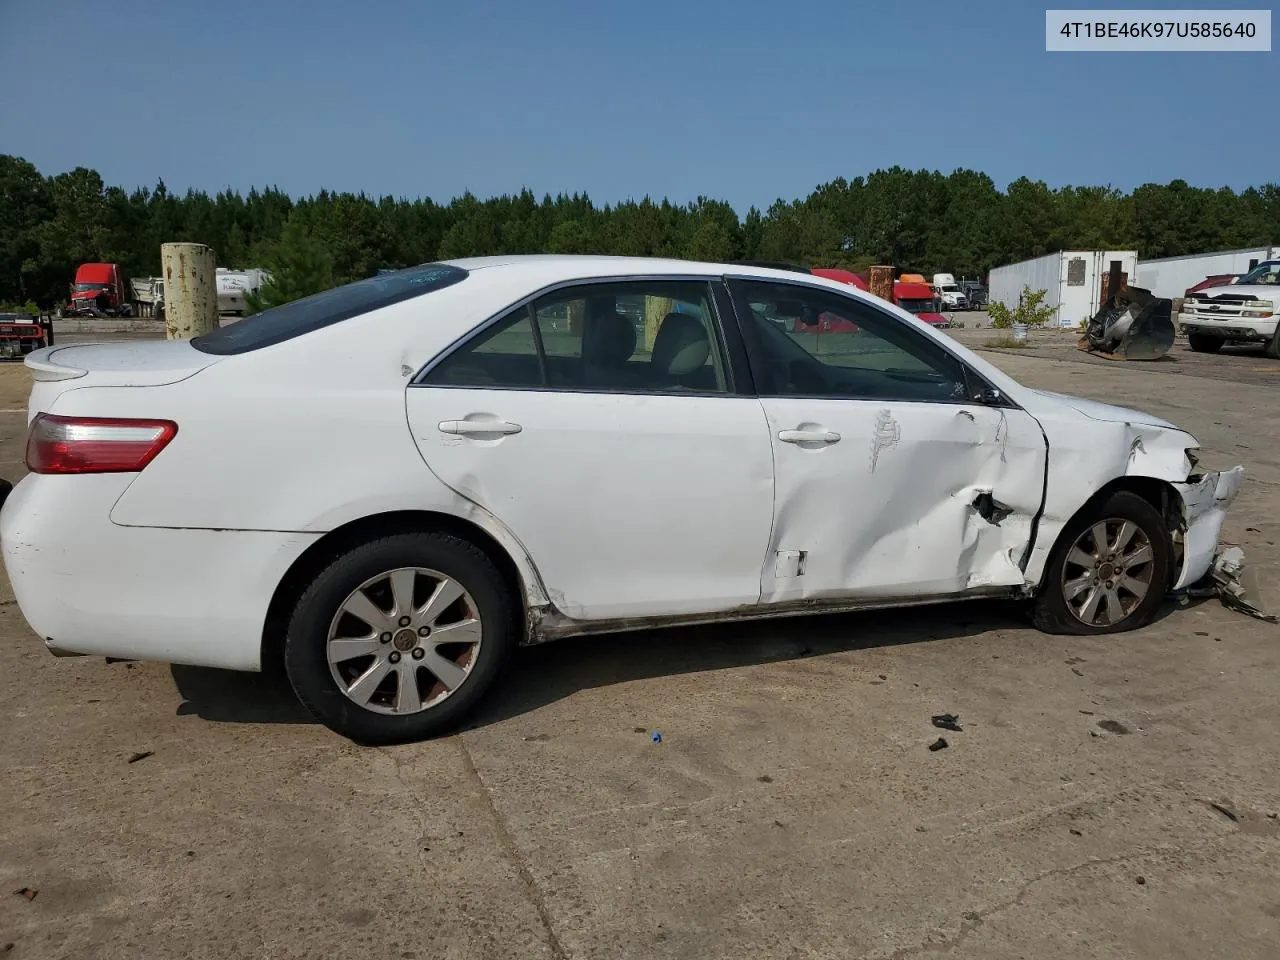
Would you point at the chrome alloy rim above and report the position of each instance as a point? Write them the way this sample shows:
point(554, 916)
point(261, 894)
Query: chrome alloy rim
point(404, 641)
point(1108, 572)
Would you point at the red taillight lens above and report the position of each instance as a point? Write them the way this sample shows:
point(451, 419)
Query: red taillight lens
point(94, 444)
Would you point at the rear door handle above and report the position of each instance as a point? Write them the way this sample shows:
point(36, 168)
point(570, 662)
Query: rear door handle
point(465, 428)
point(808, 436)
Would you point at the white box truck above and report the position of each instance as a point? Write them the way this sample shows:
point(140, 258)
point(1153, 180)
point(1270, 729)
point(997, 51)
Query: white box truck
point(1074, 279)
point(1172, 277)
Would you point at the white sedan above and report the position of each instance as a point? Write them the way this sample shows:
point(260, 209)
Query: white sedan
point(391, 485)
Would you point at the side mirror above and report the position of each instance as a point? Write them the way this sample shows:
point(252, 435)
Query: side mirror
point(990, 396)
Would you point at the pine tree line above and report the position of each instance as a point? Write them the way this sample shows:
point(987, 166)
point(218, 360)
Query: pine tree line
point(923, 221)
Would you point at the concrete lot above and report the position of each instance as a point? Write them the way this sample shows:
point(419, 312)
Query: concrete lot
point(792, 809)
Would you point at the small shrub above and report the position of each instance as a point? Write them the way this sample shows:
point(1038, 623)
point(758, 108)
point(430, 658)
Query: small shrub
point(28, 307)
point(1007, 343)
point(1030, 310)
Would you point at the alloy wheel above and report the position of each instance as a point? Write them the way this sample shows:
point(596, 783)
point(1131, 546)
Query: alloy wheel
point(404, 641)
point(1108, 572)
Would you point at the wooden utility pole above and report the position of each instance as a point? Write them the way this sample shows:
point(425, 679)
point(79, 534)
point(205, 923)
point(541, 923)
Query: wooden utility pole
point(190, 290)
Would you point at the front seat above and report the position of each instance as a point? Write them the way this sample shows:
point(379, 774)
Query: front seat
point(680, 352)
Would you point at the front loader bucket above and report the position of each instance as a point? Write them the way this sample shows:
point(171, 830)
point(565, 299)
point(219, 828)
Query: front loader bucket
point(1134, 326)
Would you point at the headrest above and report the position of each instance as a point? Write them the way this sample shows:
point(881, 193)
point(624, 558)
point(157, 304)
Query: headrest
point(610, 339)
point(682, 345)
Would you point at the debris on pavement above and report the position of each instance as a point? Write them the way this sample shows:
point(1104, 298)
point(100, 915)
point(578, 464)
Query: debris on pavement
point(640, 730)
point(1114, 726)
point(1142, 881)
point(939, 744)
point(656, 737)
point(26, 892)
point(1224, 810)
point(765, 778)
point(142, 756)
point(1076, 833)
point(947, 721)
point(1233, 582)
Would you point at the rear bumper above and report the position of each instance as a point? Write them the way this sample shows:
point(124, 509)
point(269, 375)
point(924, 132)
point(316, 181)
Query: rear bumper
point(89, 586)
point(1204, 508)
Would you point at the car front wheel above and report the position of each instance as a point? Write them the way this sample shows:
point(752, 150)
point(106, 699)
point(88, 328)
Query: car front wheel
point(1109, 571)
point(400, 638)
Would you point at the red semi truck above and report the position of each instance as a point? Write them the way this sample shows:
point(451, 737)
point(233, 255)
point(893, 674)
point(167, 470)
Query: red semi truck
point(100, 289)
point(920, 299)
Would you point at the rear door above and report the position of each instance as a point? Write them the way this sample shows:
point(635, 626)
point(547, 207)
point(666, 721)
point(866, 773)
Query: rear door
point(602, 424)
point(892, 479)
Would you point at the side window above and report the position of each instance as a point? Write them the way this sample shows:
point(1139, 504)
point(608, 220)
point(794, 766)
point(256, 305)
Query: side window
point(642, 336)
point(815, 344)
point(505, 355)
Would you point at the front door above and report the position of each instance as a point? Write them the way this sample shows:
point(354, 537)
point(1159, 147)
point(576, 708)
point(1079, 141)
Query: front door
point(892, 481)
point(600, 424)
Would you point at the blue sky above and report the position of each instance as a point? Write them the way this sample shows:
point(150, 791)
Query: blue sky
point(745, 101)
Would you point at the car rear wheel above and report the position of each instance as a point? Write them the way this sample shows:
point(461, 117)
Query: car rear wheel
point(399, 639)
point(1202, 343)
point(1109, 571)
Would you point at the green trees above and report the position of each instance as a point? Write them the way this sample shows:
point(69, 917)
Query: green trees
point(918, 220)
point(300, 264)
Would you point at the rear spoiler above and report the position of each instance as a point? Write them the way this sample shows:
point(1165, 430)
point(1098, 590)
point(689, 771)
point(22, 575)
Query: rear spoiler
point(44, 368)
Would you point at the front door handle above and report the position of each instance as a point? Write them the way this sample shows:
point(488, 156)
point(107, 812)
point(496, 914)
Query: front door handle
point(465, 428)
point(808, 436)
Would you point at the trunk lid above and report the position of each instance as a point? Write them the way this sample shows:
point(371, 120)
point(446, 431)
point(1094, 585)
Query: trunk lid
point(129, 363)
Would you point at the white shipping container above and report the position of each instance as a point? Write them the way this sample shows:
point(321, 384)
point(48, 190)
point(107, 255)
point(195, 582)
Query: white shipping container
point(1171, 276)
point(1073, 280)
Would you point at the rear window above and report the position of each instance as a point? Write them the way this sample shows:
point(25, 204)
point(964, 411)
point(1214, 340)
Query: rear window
point(290, 320)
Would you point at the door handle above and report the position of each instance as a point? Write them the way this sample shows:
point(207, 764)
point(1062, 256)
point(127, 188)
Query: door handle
point(465, 428)
point(808, 436)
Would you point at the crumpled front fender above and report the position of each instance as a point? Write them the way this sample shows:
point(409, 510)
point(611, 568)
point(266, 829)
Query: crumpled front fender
point(1205, 500)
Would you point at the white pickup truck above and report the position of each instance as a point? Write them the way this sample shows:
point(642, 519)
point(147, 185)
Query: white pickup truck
point(1243, 312)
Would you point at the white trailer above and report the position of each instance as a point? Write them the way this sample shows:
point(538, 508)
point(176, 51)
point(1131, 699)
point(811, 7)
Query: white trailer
point(233, 285)
point(1074, 279)
point(1172, 276)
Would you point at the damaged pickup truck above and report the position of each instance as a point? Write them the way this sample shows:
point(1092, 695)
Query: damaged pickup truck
point(420, 471)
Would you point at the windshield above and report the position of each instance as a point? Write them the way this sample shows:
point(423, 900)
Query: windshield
point(293, 319)
point(1267, 274)
point(82, 287)
point(917, 306)
point(949, 288)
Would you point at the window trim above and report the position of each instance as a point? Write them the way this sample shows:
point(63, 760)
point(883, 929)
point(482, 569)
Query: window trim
point(726, 334)
point(975, 384)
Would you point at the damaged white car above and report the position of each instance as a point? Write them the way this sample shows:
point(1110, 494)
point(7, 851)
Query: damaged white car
point(391, 485)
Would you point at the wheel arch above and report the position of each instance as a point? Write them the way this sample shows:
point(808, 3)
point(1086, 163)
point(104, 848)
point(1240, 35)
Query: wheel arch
point(1161, 494)
point(349, 535)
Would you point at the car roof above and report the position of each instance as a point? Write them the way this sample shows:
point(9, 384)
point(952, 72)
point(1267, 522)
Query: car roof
point(554, 267)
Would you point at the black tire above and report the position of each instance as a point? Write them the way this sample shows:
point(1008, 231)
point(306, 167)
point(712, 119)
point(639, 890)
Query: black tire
point(1050, 611)
point(1201, 343)
point(1273, 345)
point(306, 660)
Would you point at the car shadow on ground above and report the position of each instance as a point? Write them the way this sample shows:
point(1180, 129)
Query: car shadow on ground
point(544, 674)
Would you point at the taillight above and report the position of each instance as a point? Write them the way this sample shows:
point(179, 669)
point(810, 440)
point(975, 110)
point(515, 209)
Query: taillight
point(94, 444)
